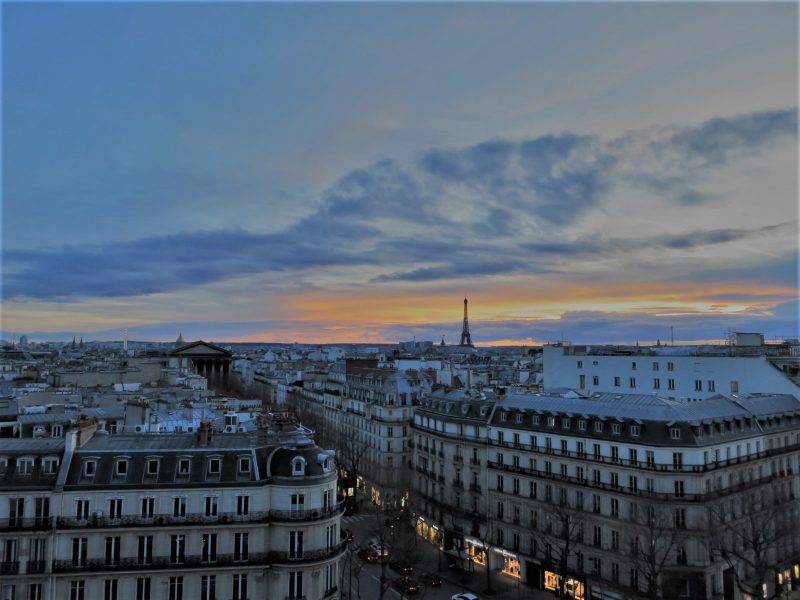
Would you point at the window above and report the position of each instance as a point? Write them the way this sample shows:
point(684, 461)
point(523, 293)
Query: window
point(614, 540)
point(24, 466)
point(89, 468)
point(179, 506)
point(580, 364)
point(142, 588)
point(677, 460)
point(209, 549)
point(115, 508)
point(679, 489)
point(211, 506)
point(582, 425)
point(148, 506)
point(535, 419)
point(598, 426)
point(152, 467)
point(49, 466)
point(617, 382)
point(176, 588)
point(79, 546)
point(35, 591)
point(208, 587)
point(214, 466)
point(184, 466)
point(670, 366)
point(240, 546)
point(595, 380)
point(615, 507)
point(298, 466)
point(633, 482)
point(656, 384)
point(145, 551)
point(614, 480)
point(632, 382)
point(670, 384)
point(112, 550)
point(616, 428)
point(596, 503)
point(565, 422)
point(77, 589)
point(295, 544)
point(712, 386)
point(680, 518)
point(614, 454)
point(655, 366)
point(635, 430)
point(82, 509)
point(295, 584)
point(121, 468)
point(177, 549)
point(633, 366)
point(650, 457)
point(698, 385)
point(675, 433)
point(244, 464)
point(298, 502)
point(239, 591)
point(596, 449)
point(582, 382)
point(242, 505)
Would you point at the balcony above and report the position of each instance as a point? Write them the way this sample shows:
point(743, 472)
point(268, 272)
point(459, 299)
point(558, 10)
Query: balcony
point(474, 487)
point(36, 566)
point(26, 523)
point(458, 459)
point(195, 561)
point(9, 567)
point(195, 519)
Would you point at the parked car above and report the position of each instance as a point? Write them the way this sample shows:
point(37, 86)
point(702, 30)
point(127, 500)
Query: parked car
point(402, 568)
point(431, 580)
point(464, 596)
point(378, 549)
point(406, 585)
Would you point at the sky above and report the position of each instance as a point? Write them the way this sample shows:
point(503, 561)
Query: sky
point(589, 172)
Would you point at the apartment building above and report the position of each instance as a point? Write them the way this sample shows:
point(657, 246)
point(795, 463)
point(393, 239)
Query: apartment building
point(688, 373)
point(167, 517)
point(614, 495)
point(365, 412)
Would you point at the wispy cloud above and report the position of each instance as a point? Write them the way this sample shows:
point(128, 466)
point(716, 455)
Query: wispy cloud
point(449, 213)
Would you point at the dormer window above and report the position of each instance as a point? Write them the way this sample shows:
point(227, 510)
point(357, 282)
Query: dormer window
point(214, 466)
point(49, 466)
point(184, 466)
point(152, 467)
point(503, 416)
point(565, 422)
point(121, 468)
point(616, 428)
point(535, 419)
point(520, 417)
point(675, 433)
point(635, 430)
point(25, 466)
point(244, 464)
point(551, 421)
point(3, 465)
point(598, 426)
point(89, 468)
point(298, 466)
point(582, 424)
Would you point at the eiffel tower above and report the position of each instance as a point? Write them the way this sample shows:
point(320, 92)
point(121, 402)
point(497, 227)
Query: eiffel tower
point(466, 340)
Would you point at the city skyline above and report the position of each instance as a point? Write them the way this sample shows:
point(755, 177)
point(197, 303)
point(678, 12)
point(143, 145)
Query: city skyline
point(349, 172)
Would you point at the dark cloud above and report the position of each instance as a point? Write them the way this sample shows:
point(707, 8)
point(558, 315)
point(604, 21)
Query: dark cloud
point(453, 213)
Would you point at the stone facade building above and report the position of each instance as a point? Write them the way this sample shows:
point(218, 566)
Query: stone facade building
point(94, 516)
point(613, 496)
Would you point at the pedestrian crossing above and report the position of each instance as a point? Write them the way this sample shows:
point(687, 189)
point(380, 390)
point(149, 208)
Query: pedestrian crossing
point(353, 519)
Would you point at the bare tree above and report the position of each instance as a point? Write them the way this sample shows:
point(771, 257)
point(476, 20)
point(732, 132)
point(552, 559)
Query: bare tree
point(754, 533)
point(564, 533)
point(656, 536)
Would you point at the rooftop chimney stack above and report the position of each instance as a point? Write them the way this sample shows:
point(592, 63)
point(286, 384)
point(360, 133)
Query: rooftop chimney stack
point(204, 433)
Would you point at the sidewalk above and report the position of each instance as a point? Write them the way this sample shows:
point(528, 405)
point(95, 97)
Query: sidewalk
point(505, 587)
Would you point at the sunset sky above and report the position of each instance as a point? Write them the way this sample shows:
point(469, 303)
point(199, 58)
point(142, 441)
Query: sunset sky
point(594, 172)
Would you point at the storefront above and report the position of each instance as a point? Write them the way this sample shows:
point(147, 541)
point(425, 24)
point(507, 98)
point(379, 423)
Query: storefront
point(475, 551)
point(573, 588)
point(510, 563)
point(429, 532)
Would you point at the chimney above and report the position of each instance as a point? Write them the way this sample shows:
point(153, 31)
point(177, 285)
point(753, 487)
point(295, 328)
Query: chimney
point(84, 429)
point(204, 433)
